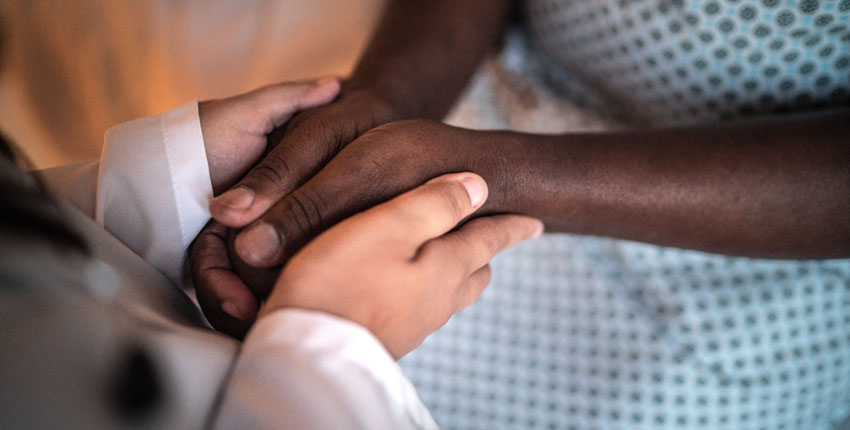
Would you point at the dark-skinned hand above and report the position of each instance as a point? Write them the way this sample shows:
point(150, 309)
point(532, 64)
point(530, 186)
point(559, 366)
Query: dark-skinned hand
point(382, 163)
point(310, 140)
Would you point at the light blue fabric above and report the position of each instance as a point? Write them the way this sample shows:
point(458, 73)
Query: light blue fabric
point(589, 333)
point(678, 62)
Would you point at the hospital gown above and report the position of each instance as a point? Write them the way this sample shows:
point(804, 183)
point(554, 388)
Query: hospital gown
point(591, 333)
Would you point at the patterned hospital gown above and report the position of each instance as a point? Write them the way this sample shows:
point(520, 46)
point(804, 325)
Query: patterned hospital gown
point(591, 333)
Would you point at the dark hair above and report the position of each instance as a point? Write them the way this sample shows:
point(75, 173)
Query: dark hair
point(28, 209)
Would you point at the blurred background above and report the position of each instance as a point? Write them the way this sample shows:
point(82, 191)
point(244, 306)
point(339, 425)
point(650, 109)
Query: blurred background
point(70, 69)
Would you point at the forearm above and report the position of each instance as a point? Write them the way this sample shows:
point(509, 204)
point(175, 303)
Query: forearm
point(424, 52)
point(774, 188)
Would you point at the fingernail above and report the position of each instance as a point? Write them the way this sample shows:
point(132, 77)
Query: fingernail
point(231, 308)
point(538, 232)
point(237, 198)
point(259, 244)
point(475, 189)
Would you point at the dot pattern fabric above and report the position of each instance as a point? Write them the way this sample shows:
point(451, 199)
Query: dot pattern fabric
point(589, 333)
point(676, 61)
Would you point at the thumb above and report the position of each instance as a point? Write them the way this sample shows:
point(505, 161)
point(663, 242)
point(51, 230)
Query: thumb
point(344, 188)
point(299, 153)
point(235, 129)
point(273, 105)
point(434, 208)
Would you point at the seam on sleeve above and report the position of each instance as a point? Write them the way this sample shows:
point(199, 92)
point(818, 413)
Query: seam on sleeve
point(176, 186)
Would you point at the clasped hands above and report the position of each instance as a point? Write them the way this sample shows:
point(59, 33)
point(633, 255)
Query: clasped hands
point(353, 211)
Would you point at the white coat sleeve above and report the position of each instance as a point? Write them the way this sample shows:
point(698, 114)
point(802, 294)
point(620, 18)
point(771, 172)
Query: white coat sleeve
point(151, 187)
point(154, 187)
point(310, 370)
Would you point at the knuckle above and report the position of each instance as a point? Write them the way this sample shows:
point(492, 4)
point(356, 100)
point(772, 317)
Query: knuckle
point(409, 133)
point(201, 255)
point(306, 210)
point(205, 246)
point(311, 122)
point(455, 200)
point(272, 170)
point(321, 131)
point(493, 236)
point(380, 140)
point(362, 158)
point(491, 244)
point(375, 170)
point(501, 238)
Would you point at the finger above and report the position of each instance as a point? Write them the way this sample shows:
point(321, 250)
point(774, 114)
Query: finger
point(478, 241)
point(432, 209)
point(416, 216)
point(473, 288)
point(294, 158)
point(226, 301)
point(259, 280)
point(275, 104)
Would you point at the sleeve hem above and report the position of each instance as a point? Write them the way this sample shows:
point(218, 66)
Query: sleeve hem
point(154, 186)
point(317, 334)
point(189, 168)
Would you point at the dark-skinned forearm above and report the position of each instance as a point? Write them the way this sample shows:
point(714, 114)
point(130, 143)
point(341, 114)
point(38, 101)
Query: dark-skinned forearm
point(767, 188)
point(424, 52)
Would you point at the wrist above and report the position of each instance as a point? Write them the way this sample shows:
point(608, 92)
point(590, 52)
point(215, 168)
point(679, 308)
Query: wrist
point(558, 179)
point(387, 98)
point(500, 158)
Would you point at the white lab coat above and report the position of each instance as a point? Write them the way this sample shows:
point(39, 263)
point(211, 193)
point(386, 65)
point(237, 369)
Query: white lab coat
point(139, 208)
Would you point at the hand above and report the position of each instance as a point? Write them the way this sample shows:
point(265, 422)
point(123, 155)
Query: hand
point(379, 165)
point(235, 133)
point(312, 138)
point(235, 129)
point(383, 170)
point(398, 269)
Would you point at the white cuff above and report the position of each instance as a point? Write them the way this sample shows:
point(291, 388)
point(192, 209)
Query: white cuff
point(312, 370)
point(154, 186)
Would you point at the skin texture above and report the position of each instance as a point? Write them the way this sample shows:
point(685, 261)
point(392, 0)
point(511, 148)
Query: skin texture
point(235, 133)
point(400, 269)
point(235, 129)
point(776, 188)
point(421, 58)
point(773, 188)
point(405, 251)
point(732, 189)
point(423, 54)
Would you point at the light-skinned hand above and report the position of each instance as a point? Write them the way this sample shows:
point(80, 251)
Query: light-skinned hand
point(380, 164)
point(235, 129)
point(401, 269)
